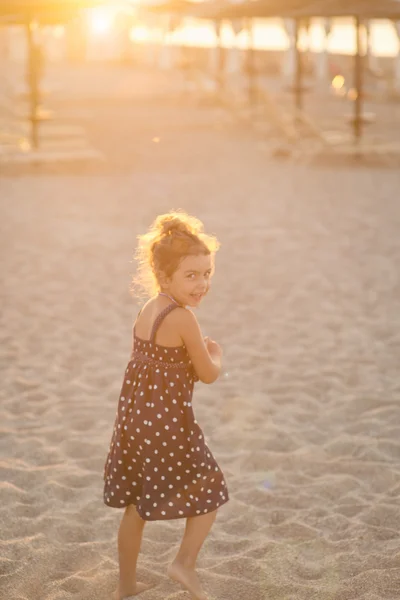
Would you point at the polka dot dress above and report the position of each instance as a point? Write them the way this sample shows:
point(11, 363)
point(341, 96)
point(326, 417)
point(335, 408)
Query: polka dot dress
point(158, 458)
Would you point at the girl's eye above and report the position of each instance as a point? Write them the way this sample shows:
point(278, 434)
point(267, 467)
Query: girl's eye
point(208, 274)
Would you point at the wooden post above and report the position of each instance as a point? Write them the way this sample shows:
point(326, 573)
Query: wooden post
point(298, 91)
point(251, 72)
point(358, 81)
point(221, 56)
point(33, 82)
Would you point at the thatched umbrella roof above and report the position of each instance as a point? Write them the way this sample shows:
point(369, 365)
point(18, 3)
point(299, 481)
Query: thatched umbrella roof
point(171, 7)
point(301, 9)
point(43, 12)
point(362, 9)
point(33, 7)
point(250, 9)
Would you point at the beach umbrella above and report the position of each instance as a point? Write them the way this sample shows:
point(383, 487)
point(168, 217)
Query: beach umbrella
point(32, 9)
point(171, 7)
point(31, 14)
point(252, 9)
point(248, 9)
point(360, 10)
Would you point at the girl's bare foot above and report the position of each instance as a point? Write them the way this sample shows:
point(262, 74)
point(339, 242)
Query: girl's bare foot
point(188, 578)
point(137, 589)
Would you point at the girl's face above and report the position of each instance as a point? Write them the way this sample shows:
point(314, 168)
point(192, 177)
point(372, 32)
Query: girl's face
point(191, 281)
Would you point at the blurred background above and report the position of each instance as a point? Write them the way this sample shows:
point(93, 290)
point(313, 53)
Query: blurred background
point(277, 123)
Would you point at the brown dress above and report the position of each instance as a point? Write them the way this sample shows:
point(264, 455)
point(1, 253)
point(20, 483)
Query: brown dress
point(158, 459)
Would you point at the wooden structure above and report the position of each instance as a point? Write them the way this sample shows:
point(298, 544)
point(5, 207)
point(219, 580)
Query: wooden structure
point(32, 14)
point(360, 11)
point(301, 11)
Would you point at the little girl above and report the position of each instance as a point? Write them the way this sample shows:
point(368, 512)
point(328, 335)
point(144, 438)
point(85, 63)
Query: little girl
point(158, 466)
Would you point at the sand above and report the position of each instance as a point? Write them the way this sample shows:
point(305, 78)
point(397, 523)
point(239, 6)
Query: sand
point(305, 420)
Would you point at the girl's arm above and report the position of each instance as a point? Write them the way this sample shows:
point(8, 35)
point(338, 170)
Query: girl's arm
point(206, 365)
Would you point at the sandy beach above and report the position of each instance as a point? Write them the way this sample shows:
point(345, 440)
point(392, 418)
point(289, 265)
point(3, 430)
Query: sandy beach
point(304, 421)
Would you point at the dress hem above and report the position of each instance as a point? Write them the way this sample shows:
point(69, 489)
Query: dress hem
point(187, 515)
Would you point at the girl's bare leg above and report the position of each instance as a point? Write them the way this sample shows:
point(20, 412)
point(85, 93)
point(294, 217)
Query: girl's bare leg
point(182, 569)
point(129, 541)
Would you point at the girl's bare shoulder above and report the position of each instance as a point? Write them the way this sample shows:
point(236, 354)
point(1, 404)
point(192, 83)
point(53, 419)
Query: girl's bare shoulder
point(184, 319)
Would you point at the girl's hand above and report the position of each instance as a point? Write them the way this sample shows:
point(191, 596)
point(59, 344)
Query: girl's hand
point(213, 348)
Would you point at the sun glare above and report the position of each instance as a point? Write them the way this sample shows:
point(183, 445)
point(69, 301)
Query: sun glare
point(100, 21)
point(140, 33)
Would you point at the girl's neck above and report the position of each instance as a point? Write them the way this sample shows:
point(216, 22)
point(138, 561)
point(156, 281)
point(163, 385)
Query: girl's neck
point(168, 296)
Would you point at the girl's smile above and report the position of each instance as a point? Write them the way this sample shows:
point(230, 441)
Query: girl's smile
point(191, 281)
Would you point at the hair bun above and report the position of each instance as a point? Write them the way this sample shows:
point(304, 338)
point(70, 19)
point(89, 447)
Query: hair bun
point(169, 224)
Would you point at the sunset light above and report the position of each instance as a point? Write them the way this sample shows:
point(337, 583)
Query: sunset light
point(140, 33)
point(101, 21)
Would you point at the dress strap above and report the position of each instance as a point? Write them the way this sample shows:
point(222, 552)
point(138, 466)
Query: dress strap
point(137, 316)
point(160, 319)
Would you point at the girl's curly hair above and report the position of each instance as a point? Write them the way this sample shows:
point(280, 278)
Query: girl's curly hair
point(170, 238)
